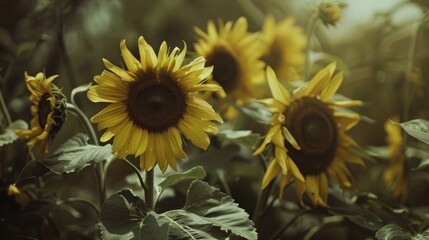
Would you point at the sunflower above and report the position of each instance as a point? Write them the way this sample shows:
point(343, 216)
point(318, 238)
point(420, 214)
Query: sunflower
point(316, 143)
point(153, 103)
point(330, 13)
point(234, 53)
point(395, 175)
point(284, 47)
point(48, 111)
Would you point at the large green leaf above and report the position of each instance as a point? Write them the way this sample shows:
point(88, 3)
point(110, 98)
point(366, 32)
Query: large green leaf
point(418, 128)
point(176, 178)
point(392, 232)
point(76, 154)
point(207, 214)
point(207, 206)
point(9, 135)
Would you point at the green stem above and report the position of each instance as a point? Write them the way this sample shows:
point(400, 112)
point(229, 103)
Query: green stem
point(137, 171)
point(5, 110)
point(149, 189)
point(281, 230)
point(251, 9)
point(261, 202)
point(93, 137)
point(311, 28)
point(86, 123)
point(83, 201)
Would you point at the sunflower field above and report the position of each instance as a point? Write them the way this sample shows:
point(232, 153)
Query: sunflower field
point(198, 119)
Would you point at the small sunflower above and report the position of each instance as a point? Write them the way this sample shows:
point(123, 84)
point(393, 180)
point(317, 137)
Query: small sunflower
point(48, 110)
point(153, 103)
point(284, 47)
point(234, 53)
point(330, 13)
point(395, 175)
point(316, 143)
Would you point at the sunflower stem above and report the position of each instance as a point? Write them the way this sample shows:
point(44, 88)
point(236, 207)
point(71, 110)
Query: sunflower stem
point(137, 171)
point(281, 230)
point(261, 202)
point(5, 110)
point(311, 28)
point(253, 10)
point(149, 189)
point(99, 169)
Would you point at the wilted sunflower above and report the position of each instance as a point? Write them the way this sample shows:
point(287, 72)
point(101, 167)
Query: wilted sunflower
point(234, 53)
point(284, 47)
point(395, 175)
point(316, 143)
point(48, 111)
point(153, 103)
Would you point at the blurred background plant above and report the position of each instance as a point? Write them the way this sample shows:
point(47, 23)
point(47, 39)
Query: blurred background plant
point(382, 47)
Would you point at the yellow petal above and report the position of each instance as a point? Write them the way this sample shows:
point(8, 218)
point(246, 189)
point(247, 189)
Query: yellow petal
point(345, 104)
point(268, 138)
point(332, 87)
point(135, 138)
point(290, 138)
point(131, 62)
point(277, 90)
point(123, 74)
point(294, 170)
point(107, 136)
point(319, 81)
point(121, 140)
point(281, 158)
point(144, 139)
point(109, 111)
point(147, 159)
point(347, 120)
point(194, 133)
point(272, 171)
point(176, 142)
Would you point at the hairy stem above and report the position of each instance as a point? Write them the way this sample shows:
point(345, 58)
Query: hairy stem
point(149, 189)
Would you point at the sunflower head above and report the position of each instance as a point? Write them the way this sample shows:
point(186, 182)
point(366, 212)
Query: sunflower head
point(153, 103)
point(309, 136)
point(234, 53)
point(395, 176)
point(284, 45)
point(330, 13)
point(48, 110)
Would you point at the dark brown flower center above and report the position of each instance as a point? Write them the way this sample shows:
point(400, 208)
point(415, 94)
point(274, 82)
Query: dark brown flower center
point(156, 102)
point(43, 110)
point(274, 57)
point(226, 68)
point(313, 125)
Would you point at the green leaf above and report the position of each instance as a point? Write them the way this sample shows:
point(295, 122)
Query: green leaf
point(176, 178)
point(76, 154)
point(392, 232)
point(257, 111)
point(361, 216)
point(126, 216)
point(245, 137)
point(207, 214)
point(9, 135)
point(418, 128)
point(208, 206)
